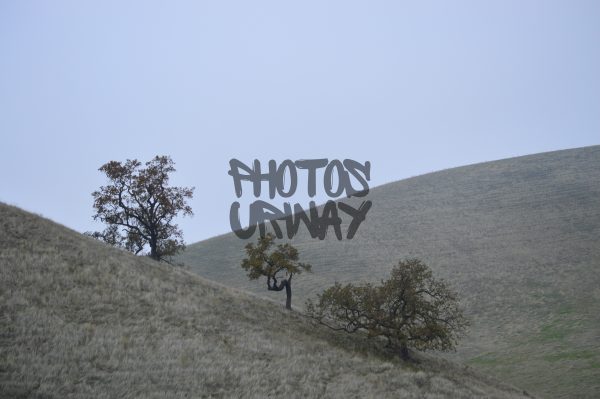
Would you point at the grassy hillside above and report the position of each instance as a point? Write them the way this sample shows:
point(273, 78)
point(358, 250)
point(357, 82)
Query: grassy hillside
point(519, 238)
point(79, 319)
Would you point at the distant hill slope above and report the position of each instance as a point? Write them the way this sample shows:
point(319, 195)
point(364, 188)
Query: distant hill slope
point(80, 319)
point(519, 238)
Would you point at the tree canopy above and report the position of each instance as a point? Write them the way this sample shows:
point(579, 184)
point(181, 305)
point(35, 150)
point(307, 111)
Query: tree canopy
point(411, 309)
point(139, 207)
point(274, 263)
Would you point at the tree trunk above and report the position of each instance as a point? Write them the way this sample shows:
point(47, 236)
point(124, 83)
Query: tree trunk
point(288, 293)
point(153, 253)
point(153, 244)
point(285, 283)
point(404, 352)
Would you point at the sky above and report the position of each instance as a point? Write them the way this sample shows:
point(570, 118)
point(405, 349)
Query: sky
point(412, 87)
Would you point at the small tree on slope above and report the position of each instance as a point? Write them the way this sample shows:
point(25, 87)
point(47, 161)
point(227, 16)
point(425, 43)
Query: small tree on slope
point(411, 309)
point(274, 264)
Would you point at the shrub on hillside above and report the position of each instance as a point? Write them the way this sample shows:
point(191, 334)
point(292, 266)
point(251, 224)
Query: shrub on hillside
point(411, 309)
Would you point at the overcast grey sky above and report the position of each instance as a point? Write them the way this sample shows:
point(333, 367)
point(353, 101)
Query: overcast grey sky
point(412, 87)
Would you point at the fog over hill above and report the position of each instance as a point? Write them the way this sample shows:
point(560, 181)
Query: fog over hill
point(519, 239)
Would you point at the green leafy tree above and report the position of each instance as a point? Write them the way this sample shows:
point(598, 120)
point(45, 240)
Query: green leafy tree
point(411, 309)
point(139, 207)
point(278, 264)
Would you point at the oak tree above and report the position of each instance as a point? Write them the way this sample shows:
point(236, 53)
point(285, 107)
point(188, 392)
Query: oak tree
point(411, 309)
point(278, 264)
point(139, 207)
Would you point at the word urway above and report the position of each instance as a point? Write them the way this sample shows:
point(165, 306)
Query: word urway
point(262, 212)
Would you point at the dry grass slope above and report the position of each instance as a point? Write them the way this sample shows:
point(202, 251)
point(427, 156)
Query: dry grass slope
point(519, 238)
point(79, 319)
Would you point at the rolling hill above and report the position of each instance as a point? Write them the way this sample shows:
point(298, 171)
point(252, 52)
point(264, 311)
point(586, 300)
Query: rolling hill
point(79, 319)
point(518, 238)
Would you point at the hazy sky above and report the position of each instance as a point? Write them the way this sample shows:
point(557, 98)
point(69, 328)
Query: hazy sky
point(412, 87)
